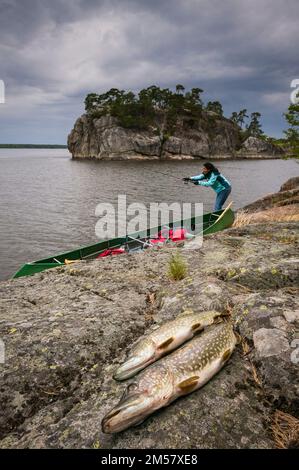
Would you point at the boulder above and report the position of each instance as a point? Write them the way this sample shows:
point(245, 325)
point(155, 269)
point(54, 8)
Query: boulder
point(287, 195)
point(291, 316)
point(254, 146)
point(65, 331)
point(209, 137)
point(292, 183)
point(270, 342)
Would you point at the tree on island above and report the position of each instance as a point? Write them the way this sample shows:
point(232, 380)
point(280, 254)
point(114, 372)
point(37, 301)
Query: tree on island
point(160, 109)
point(215, 107)
point(140, 111)
point(234, 117)
point(254, 128)
point(180, 88)
point(239, 118)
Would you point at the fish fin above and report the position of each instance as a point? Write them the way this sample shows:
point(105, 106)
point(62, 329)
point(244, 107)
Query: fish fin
point(226, 313)
point(189, 384)
point(166, 343)
point(226, 355)
point(196, 327)
point(239, 338)
point(217, 320)
point(139, 422)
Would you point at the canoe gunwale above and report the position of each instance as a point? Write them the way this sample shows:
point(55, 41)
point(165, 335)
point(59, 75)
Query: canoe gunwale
point(88, 251)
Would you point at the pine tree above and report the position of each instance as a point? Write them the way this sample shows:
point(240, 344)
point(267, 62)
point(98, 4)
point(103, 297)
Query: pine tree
point(241, 117)
point(234, 117)
point(254, 128)
point(215, 106)
point(180, 88)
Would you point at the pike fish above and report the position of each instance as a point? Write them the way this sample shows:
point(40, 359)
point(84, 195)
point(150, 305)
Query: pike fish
point(178, 374)
point(164, 339)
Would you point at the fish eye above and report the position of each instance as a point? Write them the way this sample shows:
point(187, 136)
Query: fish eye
point(132, 387)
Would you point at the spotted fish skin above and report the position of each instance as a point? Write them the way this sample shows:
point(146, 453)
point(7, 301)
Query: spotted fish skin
point(164, 339)
point(180, 373)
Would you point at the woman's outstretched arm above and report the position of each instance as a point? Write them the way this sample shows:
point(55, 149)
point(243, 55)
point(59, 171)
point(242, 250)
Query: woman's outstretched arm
point(209, 182)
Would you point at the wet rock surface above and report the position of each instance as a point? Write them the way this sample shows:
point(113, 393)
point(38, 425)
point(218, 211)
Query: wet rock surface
point(253, 146)
point(66, 330)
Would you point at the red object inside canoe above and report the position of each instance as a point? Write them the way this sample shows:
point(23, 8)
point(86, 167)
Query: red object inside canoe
point(176, 235)
point(111, 251)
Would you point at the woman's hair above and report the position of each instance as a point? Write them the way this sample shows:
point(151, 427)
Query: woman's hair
point(209, 166)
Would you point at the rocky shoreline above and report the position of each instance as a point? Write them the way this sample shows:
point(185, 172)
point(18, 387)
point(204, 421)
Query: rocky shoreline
point(143, 158)
point(212, 138)
point(66, 329)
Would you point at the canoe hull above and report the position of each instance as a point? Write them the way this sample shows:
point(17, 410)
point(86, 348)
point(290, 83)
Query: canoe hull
point(210, 223)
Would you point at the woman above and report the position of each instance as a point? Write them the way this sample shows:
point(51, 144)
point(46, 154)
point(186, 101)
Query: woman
point(211, 176)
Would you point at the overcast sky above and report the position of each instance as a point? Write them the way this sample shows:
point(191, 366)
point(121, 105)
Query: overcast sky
point(52, 53)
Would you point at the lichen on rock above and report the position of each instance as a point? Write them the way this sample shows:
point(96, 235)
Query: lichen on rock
point(65, 334)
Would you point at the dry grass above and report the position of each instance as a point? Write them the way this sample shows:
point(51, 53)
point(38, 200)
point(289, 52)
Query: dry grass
point(242, 218)
point(276, 214)
point(150, 298)
point(245, 346)
point(255, 375)
point(285, 429)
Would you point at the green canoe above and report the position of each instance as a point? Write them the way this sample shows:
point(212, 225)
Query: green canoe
point(210, 223)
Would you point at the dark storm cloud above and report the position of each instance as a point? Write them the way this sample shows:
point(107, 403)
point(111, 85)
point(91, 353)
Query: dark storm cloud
point(54, 52)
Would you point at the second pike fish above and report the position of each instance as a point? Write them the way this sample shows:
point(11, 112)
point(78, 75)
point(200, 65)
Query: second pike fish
point(178, 374)
point(164, 339)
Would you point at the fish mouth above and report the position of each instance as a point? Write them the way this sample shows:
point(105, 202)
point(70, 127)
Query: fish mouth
point(131, 367)
point(131, 410)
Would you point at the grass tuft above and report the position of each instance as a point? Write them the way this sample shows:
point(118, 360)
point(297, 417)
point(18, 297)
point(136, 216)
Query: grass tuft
point(285, 429)
point(177, 268)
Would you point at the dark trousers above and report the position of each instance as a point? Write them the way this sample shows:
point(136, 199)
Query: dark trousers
point(221, 198)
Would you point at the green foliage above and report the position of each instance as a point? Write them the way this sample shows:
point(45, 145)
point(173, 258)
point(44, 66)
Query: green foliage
point(234, 117)
point(177, 268)
point(292, 116)
point(179, 88)
point(239, 118)
point(96, 113)
point(139, 111)
point(292, 133)
point(162, 109)
point(91, 101)
point(255, 128)
point(215, 107)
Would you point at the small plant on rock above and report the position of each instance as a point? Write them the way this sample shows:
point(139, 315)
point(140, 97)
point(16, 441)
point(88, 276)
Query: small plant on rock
point(177, 267)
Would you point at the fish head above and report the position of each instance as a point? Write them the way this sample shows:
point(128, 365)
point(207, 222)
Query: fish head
point(152, 391)
point(140, 357)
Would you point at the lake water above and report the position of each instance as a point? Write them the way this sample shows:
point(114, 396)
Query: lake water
point(48, 201)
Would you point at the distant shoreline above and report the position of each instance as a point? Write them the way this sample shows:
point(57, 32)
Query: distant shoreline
point(32, 146)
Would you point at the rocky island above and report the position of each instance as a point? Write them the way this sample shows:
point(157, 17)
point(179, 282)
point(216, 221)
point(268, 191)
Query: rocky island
point(65, 331)
point(162, 125)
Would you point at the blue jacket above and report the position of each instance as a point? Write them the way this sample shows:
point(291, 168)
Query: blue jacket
point(212, 181)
